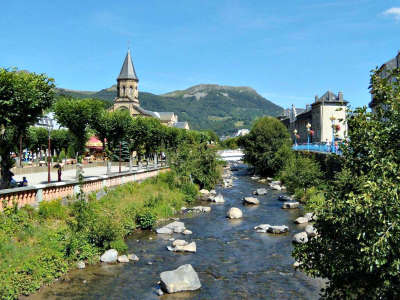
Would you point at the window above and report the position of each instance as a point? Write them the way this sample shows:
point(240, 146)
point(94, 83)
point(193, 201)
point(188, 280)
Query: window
point(130, 90)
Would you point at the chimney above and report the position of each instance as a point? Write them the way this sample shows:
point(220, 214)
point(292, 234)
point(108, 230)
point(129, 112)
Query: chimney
point(340, 94)
point(316, 98)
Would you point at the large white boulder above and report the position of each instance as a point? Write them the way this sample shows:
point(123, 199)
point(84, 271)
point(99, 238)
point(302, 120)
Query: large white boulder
point(276, 229)
point(251, 200)
point(176, 226)
point(204, 192)
point(234, 213)
point(301, 220)
point(181, 279)
point(164, 230)
point(311, 231)
point(218, 199)
point(261, 191)
point(189, 247)
point(289, 205)
point(300, 238)
point(123, 259)
point(179, 243)
point(110, 256)
point(275, 187)
point(200, 209)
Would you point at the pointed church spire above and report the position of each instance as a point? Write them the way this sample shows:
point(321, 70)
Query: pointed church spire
point(127, 70)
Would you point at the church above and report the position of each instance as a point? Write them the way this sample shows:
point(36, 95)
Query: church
point(128, 97)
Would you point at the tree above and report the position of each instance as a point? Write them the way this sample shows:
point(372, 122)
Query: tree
point(262, 144)
point(60, 138)
point(23, 98)
point(146, 136)
point(300, 172)
point(358, 244)
point(37, 138)
point(76, 115)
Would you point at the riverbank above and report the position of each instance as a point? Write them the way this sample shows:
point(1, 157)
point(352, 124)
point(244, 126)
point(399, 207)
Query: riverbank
point(38, 246)
point(233, 261)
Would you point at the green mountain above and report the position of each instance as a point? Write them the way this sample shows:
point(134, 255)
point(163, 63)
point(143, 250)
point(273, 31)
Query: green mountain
point(224, 109)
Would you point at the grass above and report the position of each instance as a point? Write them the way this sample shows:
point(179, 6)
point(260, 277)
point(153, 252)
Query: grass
point(39, 245)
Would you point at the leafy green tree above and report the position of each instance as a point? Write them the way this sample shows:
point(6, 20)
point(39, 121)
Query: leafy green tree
point(231, 143)
point(358, 246)
point(37, 138)
point(60, 138)
point(267, 136)
point(120, 124)
point(76, 115)
point(23, 97)
point(146, 136)
point(300, 173)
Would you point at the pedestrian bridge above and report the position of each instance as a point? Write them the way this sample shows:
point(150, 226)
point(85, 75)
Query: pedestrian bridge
point(231, 155)
point(317, 147)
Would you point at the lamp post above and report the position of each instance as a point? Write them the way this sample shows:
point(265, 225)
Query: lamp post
point(295, 137)
point(308, 126)
point(48, 123)
point(333, 133)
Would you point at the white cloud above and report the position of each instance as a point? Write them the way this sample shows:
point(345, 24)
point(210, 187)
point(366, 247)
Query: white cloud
point(393, 12)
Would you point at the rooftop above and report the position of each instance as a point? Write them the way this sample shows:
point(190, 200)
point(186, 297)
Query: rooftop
point(128, 70)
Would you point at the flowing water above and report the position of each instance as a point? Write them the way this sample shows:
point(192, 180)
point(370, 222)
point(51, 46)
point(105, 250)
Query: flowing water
point(232, 260)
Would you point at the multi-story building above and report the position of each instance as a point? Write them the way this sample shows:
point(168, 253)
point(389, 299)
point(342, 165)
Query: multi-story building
point(321, 121)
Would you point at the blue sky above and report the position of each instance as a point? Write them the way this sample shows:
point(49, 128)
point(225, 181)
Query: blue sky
point(287, 50)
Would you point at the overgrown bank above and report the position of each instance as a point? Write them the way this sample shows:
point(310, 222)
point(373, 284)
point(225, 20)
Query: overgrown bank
point(37, 246)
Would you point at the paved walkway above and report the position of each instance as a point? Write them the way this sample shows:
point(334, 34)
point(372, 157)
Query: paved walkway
point(68, 175)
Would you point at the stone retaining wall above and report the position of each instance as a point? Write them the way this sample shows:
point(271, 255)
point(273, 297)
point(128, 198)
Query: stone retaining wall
point(33, 195)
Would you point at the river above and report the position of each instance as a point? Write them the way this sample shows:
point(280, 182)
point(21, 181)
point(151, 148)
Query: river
point(232, 260)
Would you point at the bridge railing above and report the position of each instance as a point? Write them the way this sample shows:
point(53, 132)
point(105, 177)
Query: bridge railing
point(318, 147)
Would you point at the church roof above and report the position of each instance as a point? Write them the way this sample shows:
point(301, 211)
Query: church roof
point(128, 70)
point(166, 115)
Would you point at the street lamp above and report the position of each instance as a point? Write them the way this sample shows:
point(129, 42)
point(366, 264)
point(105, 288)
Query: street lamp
point(295, 137)
point(333, 133)
point(47, 123)
point(308, 126)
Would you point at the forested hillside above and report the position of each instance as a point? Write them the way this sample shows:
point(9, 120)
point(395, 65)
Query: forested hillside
point(224, 109)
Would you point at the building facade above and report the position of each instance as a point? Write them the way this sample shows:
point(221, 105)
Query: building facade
point(320, 122)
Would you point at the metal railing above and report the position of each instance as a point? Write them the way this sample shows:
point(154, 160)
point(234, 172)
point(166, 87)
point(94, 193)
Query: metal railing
point(318, 147)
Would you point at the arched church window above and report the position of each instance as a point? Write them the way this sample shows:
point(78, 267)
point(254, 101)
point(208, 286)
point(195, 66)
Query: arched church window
point(123, 90)
point(130, 90)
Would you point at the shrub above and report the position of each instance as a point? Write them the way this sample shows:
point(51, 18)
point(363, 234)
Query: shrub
point(300, 173)
point(52, 209)
point(119, 245)
point(145, 219)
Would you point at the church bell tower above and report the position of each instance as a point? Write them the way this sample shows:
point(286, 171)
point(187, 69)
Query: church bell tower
point(127, 82)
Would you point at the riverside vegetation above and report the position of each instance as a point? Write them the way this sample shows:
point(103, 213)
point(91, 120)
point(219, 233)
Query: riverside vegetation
point(39, 245)
point(358, 209)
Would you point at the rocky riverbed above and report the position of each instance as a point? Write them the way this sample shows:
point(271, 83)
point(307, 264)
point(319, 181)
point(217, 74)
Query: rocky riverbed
point(232, 259)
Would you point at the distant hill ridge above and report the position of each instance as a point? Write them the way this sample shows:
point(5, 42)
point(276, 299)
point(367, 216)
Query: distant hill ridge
point(224, 109)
